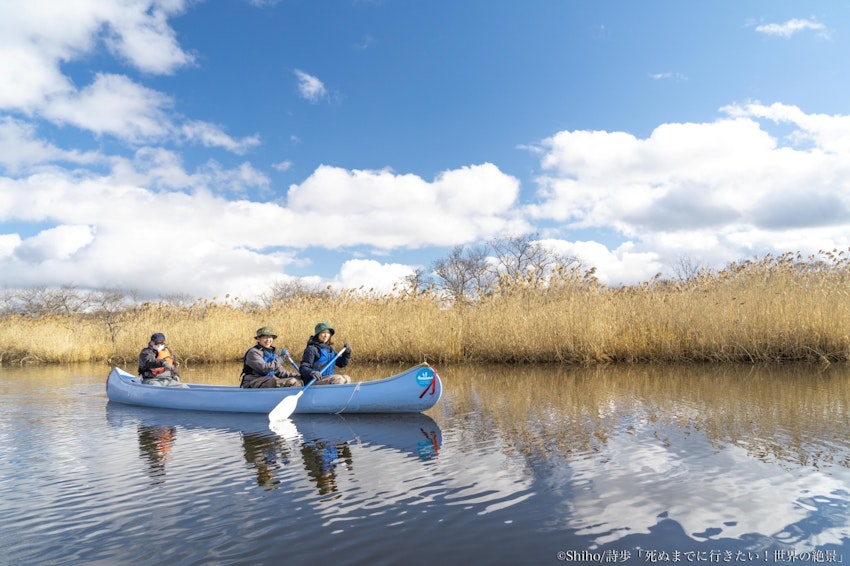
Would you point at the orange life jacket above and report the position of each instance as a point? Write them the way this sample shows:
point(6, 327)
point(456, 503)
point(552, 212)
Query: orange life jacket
point(164, 354)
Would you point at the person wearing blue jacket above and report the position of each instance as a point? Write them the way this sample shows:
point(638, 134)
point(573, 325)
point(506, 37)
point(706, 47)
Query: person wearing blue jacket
point(318, 354)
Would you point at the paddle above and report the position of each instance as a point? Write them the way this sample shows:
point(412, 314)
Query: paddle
point(291, 361)
point(287, 405)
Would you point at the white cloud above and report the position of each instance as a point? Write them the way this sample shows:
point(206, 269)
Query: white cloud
point(309, 87)
point(668, 76)
point(793, 26)
point(37, 38)
point(386, 210)
point(139, 32)
point(211, 135)
point(20, 148)
point(371, 275)
point(29, 78)
point(59, 243)
point(114, 104)
point(8, 245)
point(720, 191)
point(613, 267)
point(218, 246)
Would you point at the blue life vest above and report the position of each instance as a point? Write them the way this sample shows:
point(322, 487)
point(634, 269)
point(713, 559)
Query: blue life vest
point(269, 356)
point(325, 356)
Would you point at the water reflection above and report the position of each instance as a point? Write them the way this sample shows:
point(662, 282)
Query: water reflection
point(745, 453)
point(320, 445)
point(266, 453)
point(321, 459)
point(787, 414)
point(511, 466)
point(155, 444)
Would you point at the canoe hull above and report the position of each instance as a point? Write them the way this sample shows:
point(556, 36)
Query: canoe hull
point(412, 391)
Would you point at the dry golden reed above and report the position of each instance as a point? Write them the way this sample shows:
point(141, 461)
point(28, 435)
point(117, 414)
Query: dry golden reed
point(774, 309)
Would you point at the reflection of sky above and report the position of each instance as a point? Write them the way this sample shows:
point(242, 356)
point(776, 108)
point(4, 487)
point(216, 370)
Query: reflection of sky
point(643, 477)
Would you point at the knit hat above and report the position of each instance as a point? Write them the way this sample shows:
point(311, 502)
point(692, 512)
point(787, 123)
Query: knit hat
point(157, 337)
point(265, 331)
point(323, 326)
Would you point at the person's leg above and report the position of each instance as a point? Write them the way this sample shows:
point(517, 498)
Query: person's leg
point(336, 379)
point(258, 382)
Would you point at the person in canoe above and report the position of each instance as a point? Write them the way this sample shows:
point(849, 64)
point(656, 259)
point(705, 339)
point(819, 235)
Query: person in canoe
point(319, 353)
point(262, 365)
point(156, 363)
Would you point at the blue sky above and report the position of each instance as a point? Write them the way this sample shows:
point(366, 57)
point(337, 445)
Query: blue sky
point(213, 147)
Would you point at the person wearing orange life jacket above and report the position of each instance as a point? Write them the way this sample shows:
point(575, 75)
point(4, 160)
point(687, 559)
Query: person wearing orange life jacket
point(156, 363)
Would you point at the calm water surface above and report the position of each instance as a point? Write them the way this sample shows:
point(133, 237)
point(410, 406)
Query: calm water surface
point(514, 466)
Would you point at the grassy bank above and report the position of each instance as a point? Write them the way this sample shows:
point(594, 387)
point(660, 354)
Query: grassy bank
point(776, 309)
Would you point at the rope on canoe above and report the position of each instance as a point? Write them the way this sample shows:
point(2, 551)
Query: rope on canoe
point(353, 391)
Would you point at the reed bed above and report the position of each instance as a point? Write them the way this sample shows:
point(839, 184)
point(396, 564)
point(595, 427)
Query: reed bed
point(776, 309)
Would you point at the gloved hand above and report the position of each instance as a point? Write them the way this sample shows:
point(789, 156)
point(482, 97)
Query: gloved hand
point(168, 365)
point(347, 347)
point(317, 375)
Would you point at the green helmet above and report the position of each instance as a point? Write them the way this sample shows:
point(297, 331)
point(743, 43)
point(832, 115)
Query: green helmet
point(265, 331)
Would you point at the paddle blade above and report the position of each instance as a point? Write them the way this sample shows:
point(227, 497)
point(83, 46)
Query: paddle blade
point(285, 408)
point(285, 429)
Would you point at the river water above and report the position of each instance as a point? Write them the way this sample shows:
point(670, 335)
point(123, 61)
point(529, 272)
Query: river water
point(531, 465)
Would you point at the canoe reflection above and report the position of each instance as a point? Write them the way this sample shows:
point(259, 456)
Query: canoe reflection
point(320, 445)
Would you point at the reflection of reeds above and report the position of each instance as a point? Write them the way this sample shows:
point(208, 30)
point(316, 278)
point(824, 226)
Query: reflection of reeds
point(776, 309)
point(792, 414)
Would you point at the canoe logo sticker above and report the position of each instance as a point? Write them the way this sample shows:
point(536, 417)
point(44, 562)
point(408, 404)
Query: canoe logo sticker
point(427, 378)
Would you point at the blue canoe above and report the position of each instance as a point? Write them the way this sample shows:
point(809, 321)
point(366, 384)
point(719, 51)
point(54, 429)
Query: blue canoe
point(412, 391)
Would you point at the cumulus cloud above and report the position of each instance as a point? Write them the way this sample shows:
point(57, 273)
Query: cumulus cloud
point(215, 245)
point(720, 191)
point(37, 40)
point(388, 210)
point(59, 243)
point(309, 87)
point(139, 32)
point(114, 104)
point(20, 148)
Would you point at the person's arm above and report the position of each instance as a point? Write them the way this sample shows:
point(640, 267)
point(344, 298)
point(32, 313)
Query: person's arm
point(345, 357)
point(307, 361)
point(147, 360)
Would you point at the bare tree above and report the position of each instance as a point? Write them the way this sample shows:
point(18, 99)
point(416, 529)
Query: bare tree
point(687, 269)
point(523, 258)
point(40, 301)
point(416, 282)
point(283, 290)
point(107, 305)
point(177, 299)
point(464, 274)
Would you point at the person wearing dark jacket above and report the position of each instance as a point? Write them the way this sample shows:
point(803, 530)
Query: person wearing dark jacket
point(318, 354)
point(156, 363)
point(262, 365)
